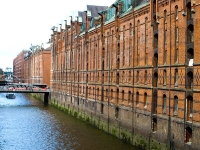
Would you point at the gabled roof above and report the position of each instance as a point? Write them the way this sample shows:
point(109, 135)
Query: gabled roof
point(136, 3)
point(94, 11)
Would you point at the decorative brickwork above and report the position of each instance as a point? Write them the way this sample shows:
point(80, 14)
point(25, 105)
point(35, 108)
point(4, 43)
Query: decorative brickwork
point(136, 68)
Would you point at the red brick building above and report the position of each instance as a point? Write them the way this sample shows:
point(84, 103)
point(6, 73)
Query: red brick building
point(37, 65)
point(132, 70)
point(18, 67)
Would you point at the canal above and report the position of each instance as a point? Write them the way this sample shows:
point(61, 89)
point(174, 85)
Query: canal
point(25, 123)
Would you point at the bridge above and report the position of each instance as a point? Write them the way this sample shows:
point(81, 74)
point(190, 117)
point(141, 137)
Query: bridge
point(6, 87)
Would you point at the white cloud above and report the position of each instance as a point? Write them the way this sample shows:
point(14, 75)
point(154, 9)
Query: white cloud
point(29, 21)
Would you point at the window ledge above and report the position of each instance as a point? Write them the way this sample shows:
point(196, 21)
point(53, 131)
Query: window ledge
point(175, 113)
point(188, 143)
point(164, 111)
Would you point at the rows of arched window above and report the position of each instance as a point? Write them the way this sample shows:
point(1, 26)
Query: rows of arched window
point(189, 105)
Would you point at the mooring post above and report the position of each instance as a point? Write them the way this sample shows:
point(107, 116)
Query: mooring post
point(46, 97)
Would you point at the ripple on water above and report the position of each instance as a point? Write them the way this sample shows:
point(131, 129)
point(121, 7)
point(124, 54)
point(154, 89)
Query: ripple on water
point(26, 124)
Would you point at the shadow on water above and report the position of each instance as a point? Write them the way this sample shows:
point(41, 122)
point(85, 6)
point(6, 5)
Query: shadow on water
point(27, 123)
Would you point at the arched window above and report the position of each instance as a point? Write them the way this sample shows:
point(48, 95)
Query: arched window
point(175, 105)
point(116, 112)
point(189, 107)
point(145, 77)
point(111, 94)
point(155, 79)
point(106, 94)
point(145, 100)
point(155, 41)
point(165, 16)
point(164, 103)
point(155, 60)
point(137, 99)
point(176, 55)
point(176, 78)
point(190, 56)
point(138, 76)
point(189, 80)
point(129, 97)
point(117, 98)
point(176, 12)
point(188, 134)
point(189, 12)
point(98, 93)
point(118, 78)
point(129, 76)
point(154, 124)
point(102, 106)
point(122, 96)
point(164, 78)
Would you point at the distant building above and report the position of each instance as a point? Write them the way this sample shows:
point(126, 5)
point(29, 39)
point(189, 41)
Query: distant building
point(133, 71)
point(18, 67)
point(37, 65)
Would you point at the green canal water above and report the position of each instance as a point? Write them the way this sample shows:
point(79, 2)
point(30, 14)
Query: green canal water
point(26, 124)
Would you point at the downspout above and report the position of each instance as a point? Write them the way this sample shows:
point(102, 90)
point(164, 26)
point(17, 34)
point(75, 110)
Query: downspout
point(169, 122)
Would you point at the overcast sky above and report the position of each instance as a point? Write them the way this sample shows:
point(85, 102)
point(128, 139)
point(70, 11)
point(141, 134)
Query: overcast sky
point(29, 21)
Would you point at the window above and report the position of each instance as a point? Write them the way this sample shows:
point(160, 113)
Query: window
point(111, 93)
point(175, 105)
point(117, 96)
point(106, 94)
point(165, 36)
point(122, 96)
point(117, 78)
point(137, 99)
point(164, 103)
point(188, 134)
point(129, 97)
point(145, 100)
point(154, 124)
point(176, 55)
point(165, 16)
point(189, 80)
point(176, 78)
point(190, 56)
point(116, 112)
point(176, 12)
point(190, 34)
point(164, 78)
point(176, 32)
point(155, 41)
point(189, 12)
point(145, 77)
point(138, 76)
point(102, 106)
point(129, 76)
point(165, 56)
point(189, 107)
point(155, 60)
point(155, 79)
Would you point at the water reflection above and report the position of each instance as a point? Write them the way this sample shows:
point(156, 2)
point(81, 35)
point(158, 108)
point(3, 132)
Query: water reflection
point(27, 124)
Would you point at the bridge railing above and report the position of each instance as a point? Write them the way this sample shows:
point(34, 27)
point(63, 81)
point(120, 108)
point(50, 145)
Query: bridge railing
point(24, 88)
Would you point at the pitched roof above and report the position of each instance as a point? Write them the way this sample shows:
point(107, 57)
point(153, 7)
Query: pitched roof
point(94, 11)
point(138, 2)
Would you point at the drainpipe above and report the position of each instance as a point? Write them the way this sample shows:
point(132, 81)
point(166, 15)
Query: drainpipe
point(133, 111)
point(169, 122)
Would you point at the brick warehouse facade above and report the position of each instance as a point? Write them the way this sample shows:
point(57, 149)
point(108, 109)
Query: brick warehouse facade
point(132, 70)
point(18, 67)
point(37, 64)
